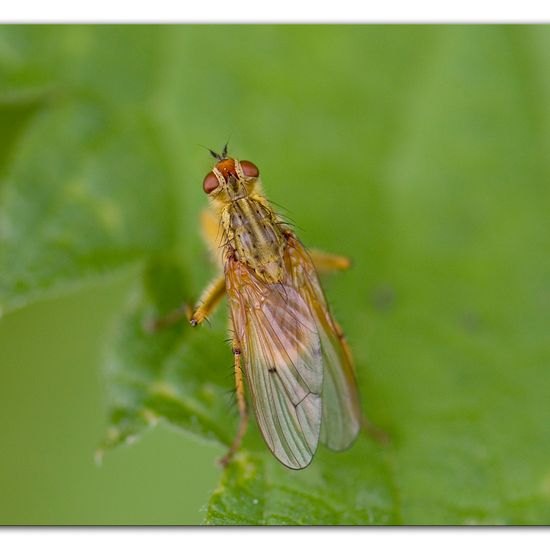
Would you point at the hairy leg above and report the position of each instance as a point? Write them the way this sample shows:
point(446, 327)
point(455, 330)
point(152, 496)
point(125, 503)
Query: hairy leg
point(212, 294)
point(324, 261)
point(241, 402)
point(208, 301)
point(370, 429)
point(213, 235)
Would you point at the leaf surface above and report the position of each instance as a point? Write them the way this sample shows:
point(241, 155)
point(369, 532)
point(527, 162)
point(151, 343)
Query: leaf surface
point(420, 152)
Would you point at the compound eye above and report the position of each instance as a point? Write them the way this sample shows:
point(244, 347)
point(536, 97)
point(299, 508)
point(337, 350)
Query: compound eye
point(210, 183)
point(249, 169)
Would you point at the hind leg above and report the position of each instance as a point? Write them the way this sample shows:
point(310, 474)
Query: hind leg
point(241, 402)
point(326, 262)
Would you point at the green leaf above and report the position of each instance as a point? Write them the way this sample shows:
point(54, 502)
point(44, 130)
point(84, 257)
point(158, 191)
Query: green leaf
point(160, 375)
point(86, 188)
point(252, 494)
point(15, 114)
point(420, 152)
point(256, 491)
point(240, 499)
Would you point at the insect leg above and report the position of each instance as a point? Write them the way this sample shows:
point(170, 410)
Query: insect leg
point(213, 234)
point(324, 261)
point(371, 429)
point(343, 342)
point(208, 301)
point(168, 320)
point(241, 401)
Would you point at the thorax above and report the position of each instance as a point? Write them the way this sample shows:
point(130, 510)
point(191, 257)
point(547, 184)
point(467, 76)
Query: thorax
point(254, 237)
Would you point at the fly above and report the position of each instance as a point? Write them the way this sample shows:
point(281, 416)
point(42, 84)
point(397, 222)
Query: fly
point(289, 352)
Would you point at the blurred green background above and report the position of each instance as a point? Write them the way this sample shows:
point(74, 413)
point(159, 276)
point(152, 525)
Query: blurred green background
point(421, 152)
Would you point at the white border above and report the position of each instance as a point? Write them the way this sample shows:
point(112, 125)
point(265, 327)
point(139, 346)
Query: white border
point(272, 538)
point(280, 11)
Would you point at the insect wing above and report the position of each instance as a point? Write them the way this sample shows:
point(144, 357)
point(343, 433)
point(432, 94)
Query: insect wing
point(341, 406)
point(281, 354)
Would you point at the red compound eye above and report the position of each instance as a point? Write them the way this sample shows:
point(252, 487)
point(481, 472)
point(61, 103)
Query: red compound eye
point(210, 182)
point(250, 169)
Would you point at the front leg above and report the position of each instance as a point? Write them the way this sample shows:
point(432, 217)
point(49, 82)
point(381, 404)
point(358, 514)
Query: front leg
point(209, 300)
point(207, 303)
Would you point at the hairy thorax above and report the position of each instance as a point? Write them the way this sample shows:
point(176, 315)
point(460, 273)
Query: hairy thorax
point(255, 238)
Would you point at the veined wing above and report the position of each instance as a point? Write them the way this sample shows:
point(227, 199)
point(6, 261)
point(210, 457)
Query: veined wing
point(281, 354)
point(341, 407)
